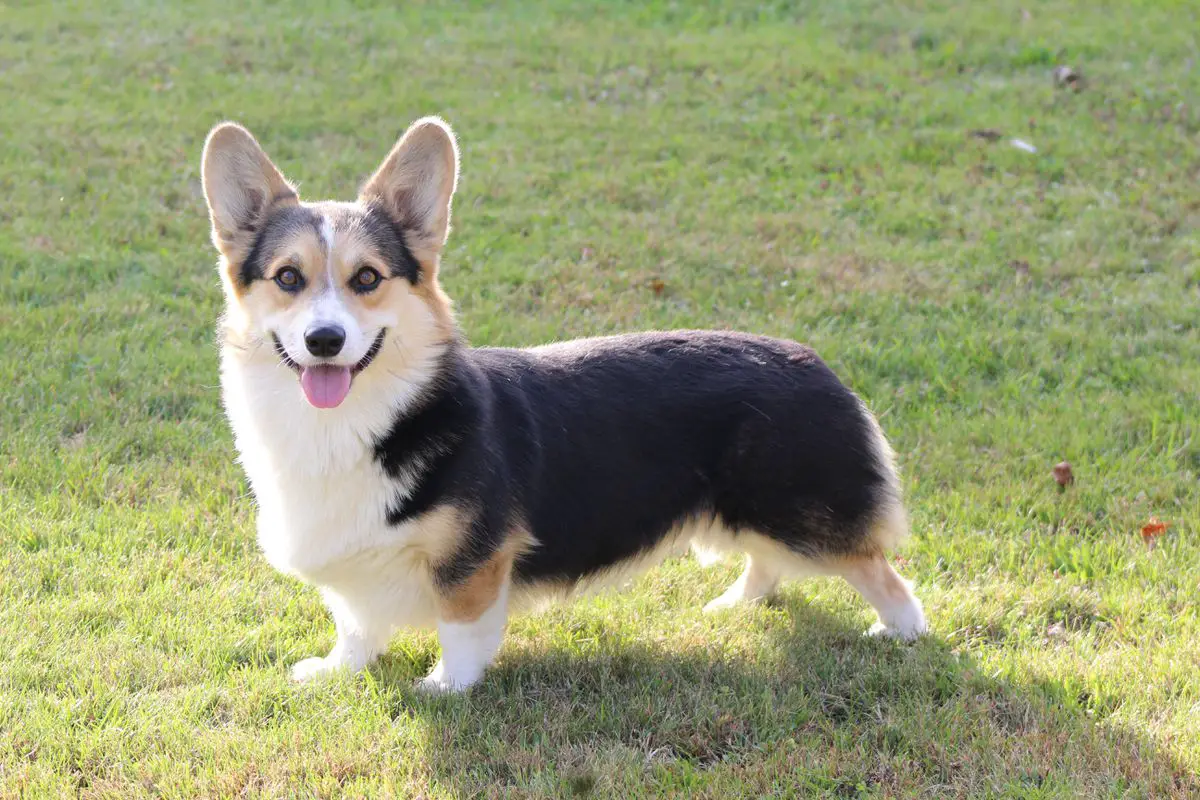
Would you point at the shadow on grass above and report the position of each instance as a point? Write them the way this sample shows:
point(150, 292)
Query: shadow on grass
point(820, 710)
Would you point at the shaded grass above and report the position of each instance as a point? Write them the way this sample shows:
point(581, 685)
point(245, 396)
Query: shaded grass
point(795, 169)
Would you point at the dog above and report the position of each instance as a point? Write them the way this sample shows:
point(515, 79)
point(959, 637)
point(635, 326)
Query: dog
point(420, 482)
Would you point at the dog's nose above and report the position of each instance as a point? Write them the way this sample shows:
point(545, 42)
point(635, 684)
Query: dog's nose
point(325, 341)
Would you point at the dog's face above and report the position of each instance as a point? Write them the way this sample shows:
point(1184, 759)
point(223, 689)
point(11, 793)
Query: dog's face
point(332, 290)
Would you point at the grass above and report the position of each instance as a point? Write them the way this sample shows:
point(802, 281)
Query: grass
point(797, 169)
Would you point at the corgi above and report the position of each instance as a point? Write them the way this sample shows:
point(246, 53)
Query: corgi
point(421, 482)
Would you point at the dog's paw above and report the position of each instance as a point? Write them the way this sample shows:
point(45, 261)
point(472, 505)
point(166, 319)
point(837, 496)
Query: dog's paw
point(733, 598)
point(907, 633)
point(439, 682)
point(723, 602)
point(432, 685)
point(311, 669)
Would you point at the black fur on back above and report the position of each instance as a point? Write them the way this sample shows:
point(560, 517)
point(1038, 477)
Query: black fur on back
point(600, 447)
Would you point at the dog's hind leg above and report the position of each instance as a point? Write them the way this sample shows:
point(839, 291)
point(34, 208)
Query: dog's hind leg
point(757, 582)
point(900, 612)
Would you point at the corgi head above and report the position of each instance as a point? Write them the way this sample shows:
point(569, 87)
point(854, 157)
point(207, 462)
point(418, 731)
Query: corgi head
point(333, 291)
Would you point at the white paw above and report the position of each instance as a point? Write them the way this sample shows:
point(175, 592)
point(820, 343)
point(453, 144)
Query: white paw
point(312, 668)
point(905, 633)
point(439, 682)
point(721, 603)
point(732, 599)
point(431, 685)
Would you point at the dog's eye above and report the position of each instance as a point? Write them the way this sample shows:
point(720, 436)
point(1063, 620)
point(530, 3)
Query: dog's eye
point(289, 279)
point(365, 280)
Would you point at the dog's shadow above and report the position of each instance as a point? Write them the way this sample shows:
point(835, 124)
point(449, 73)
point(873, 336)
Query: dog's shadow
point(820, 709)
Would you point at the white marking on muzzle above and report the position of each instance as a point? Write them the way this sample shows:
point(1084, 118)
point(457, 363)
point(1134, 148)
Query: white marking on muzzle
point(327, 309)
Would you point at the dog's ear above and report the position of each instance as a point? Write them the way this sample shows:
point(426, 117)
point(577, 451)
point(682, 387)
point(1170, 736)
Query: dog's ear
point(241, 186)
point(415, 184)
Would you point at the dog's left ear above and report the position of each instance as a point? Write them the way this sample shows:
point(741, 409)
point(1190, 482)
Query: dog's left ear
point(415, 184)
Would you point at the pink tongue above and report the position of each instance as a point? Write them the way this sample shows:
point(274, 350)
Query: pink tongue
point(325, 386)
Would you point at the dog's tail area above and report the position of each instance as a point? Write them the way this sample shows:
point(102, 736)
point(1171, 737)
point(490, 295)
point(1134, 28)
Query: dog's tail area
point(889, 527)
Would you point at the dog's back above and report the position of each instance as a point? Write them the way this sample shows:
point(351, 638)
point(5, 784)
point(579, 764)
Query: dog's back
point(604, 447)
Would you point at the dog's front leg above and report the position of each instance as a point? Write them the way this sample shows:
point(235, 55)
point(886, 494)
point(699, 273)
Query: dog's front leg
point(471, 618)
point(361, 637)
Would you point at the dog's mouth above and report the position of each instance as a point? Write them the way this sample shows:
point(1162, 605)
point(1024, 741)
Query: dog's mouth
point(326, 385)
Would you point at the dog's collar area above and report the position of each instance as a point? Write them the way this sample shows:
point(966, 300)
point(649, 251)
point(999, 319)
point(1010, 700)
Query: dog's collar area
point(362, 364)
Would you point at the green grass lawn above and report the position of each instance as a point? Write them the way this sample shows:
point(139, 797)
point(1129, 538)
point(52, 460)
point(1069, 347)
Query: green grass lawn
point(804, 170)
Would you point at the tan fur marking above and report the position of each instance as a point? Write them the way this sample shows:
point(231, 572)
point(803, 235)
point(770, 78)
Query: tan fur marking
point(428, 290)
point(439, 533)
point(235, 247)
point(302, 251)
point(889, 530)
point(352, 251)
point(466, 601)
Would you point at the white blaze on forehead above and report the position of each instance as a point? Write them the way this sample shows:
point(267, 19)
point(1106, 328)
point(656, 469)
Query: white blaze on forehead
point(327, 234)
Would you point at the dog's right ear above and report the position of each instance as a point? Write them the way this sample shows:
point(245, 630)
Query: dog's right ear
point(241, 186)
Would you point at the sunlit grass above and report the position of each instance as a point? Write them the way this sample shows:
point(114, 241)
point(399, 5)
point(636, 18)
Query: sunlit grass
point(802, 170)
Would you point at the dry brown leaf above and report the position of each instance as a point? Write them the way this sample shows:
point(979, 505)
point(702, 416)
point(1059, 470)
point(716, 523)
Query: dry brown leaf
point(987, 134)
point(1068, 78)
point(1062, 473)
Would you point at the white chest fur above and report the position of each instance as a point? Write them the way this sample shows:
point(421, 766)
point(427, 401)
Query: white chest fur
point(322, 496)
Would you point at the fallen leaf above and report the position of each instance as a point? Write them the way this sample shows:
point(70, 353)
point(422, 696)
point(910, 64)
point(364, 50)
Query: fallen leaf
point(1153, 529)
point(1068, 78)
point(987, 134)
point(658, 286)
point(1062, 471)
